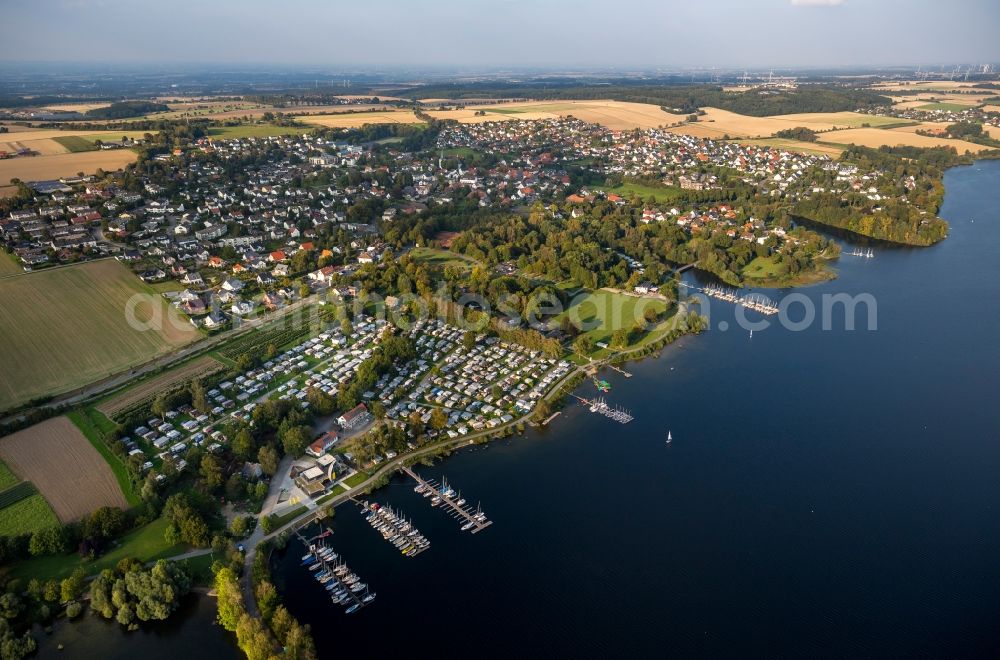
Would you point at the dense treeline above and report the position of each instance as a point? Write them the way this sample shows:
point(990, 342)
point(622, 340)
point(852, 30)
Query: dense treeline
point(677, 97)
point(125, 109)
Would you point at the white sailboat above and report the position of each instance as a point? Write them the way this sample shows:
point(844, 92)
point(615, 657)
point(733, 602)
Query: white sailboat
point(670, 438)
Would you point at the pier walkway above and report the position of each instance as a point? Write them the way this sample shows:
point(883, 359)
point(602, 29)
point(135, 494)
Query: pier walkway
point(474, 521)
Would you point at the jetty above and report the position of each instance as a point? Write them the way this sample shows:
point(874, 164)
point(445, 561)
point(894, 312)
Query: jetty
point(600, 406)
point(473, 520)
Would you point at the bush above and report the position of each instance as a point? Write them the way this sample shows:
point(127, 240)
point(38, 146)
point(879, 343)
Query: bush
point(74, 610)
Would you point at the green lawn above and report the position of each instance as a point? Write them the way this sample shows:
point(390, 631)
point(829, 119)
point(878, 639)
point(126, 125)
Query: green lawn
point(763, 268)
point(660, 193)
point(288, 516)
point(26, 516)
point(506, 111)
point(255, 130)
point(949, 107)
point(7, 478)
point(336, 490)
point(9, 265)
point(95, 426)
point(75, 143)
point(437, 257)
point(145, 544)
point(601, 312)
point(355, 479)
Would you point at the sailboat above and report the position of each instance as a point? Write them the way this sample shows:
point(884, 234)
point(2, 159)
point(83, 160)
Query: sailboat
point(670, 438)
point(751, 333)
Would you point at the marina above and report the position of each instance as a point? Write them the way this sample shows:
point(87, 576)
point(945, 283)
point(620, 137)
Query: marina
point(755, 301)
point(394, 528)
point(601, 407)
point(454, 504)
point(331, 571)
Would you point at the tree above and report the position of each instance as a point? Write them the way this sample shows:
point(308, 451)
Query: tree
point(295, 440)
point(469, 340)
point(252, 638)
point(229, 600)
point(583, 344)
point(198, 398)
point(267, 599)
point(267, 456)
point(235, 486)
point(159, 406)
point(240, 526)
point(320, 402)
point(243, 444)
point(73, 586)
point(438, 419)
point(211, 471)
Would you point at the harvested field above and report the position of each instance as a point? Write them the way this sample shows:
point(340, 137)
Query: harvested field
point(41, 168)
point(992, 131)
point(617, 115)
point(43, 140)
point(359, 119)
point(716, 123)
point(198, 368)
point(799, 146)
point(66, 327)
point(874, 137)
point(59, 460)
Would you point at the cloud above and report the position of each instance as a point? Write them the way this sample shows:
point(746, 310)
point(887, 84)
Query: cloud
point(817, 3)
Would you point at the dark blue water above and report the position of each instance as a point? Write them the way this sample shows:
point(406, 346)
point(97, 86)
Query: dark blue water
point(827, 493)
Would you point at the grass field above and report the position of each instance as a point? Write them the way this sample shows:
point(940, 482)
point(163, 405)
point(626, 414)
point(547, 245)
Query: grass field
point(800, 146)
point(66, 327)
point(7, 478)
point(356, 479)
point(255, 130)
point(661, 194)
point(875, 137)
point(438, 257)
point(42, 168)
point(9, 264)
point(947, 107)
point(359, 119)
point(600, 313)
point(75, 143)
point(145, 544)
point(65, 466)
point(26, 516)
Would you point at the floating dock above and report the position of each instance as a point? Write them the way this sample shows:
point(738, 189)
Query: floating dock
point(443, 496)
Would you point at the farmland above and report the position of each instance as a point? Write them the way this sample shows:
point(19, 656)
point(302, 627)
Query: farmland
point(255, 130)
point(359, 119)
point(617, 115)
point(56, 457)
point(26, 516)
point(716, 123)
point(874, 137)
point(48, 142)
point(947, 107)
point(148, 389)
point(801, 146)
point(7, 478)
point(9, 264)
point(66, 327)
point(54, 166)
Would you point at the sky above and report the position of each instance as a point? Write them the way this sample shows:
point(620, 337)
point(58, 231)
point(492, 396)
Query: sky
point(557, 34)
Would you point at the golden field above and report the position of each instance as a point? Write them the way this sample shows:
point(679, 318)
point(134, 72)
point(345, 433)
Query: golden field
point(359, 119)
point(616, 115)
point(874, 137)
point(801, 146)
point(39, 168)
point(43, 140)
point(716, 123)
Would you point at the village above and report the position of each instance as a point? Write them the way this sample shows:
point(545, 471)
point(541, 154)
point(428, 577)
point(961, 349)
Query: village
point(311, 209)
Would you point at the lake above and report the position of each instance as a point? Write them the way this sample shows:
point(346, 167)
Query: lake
point(828, 493)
